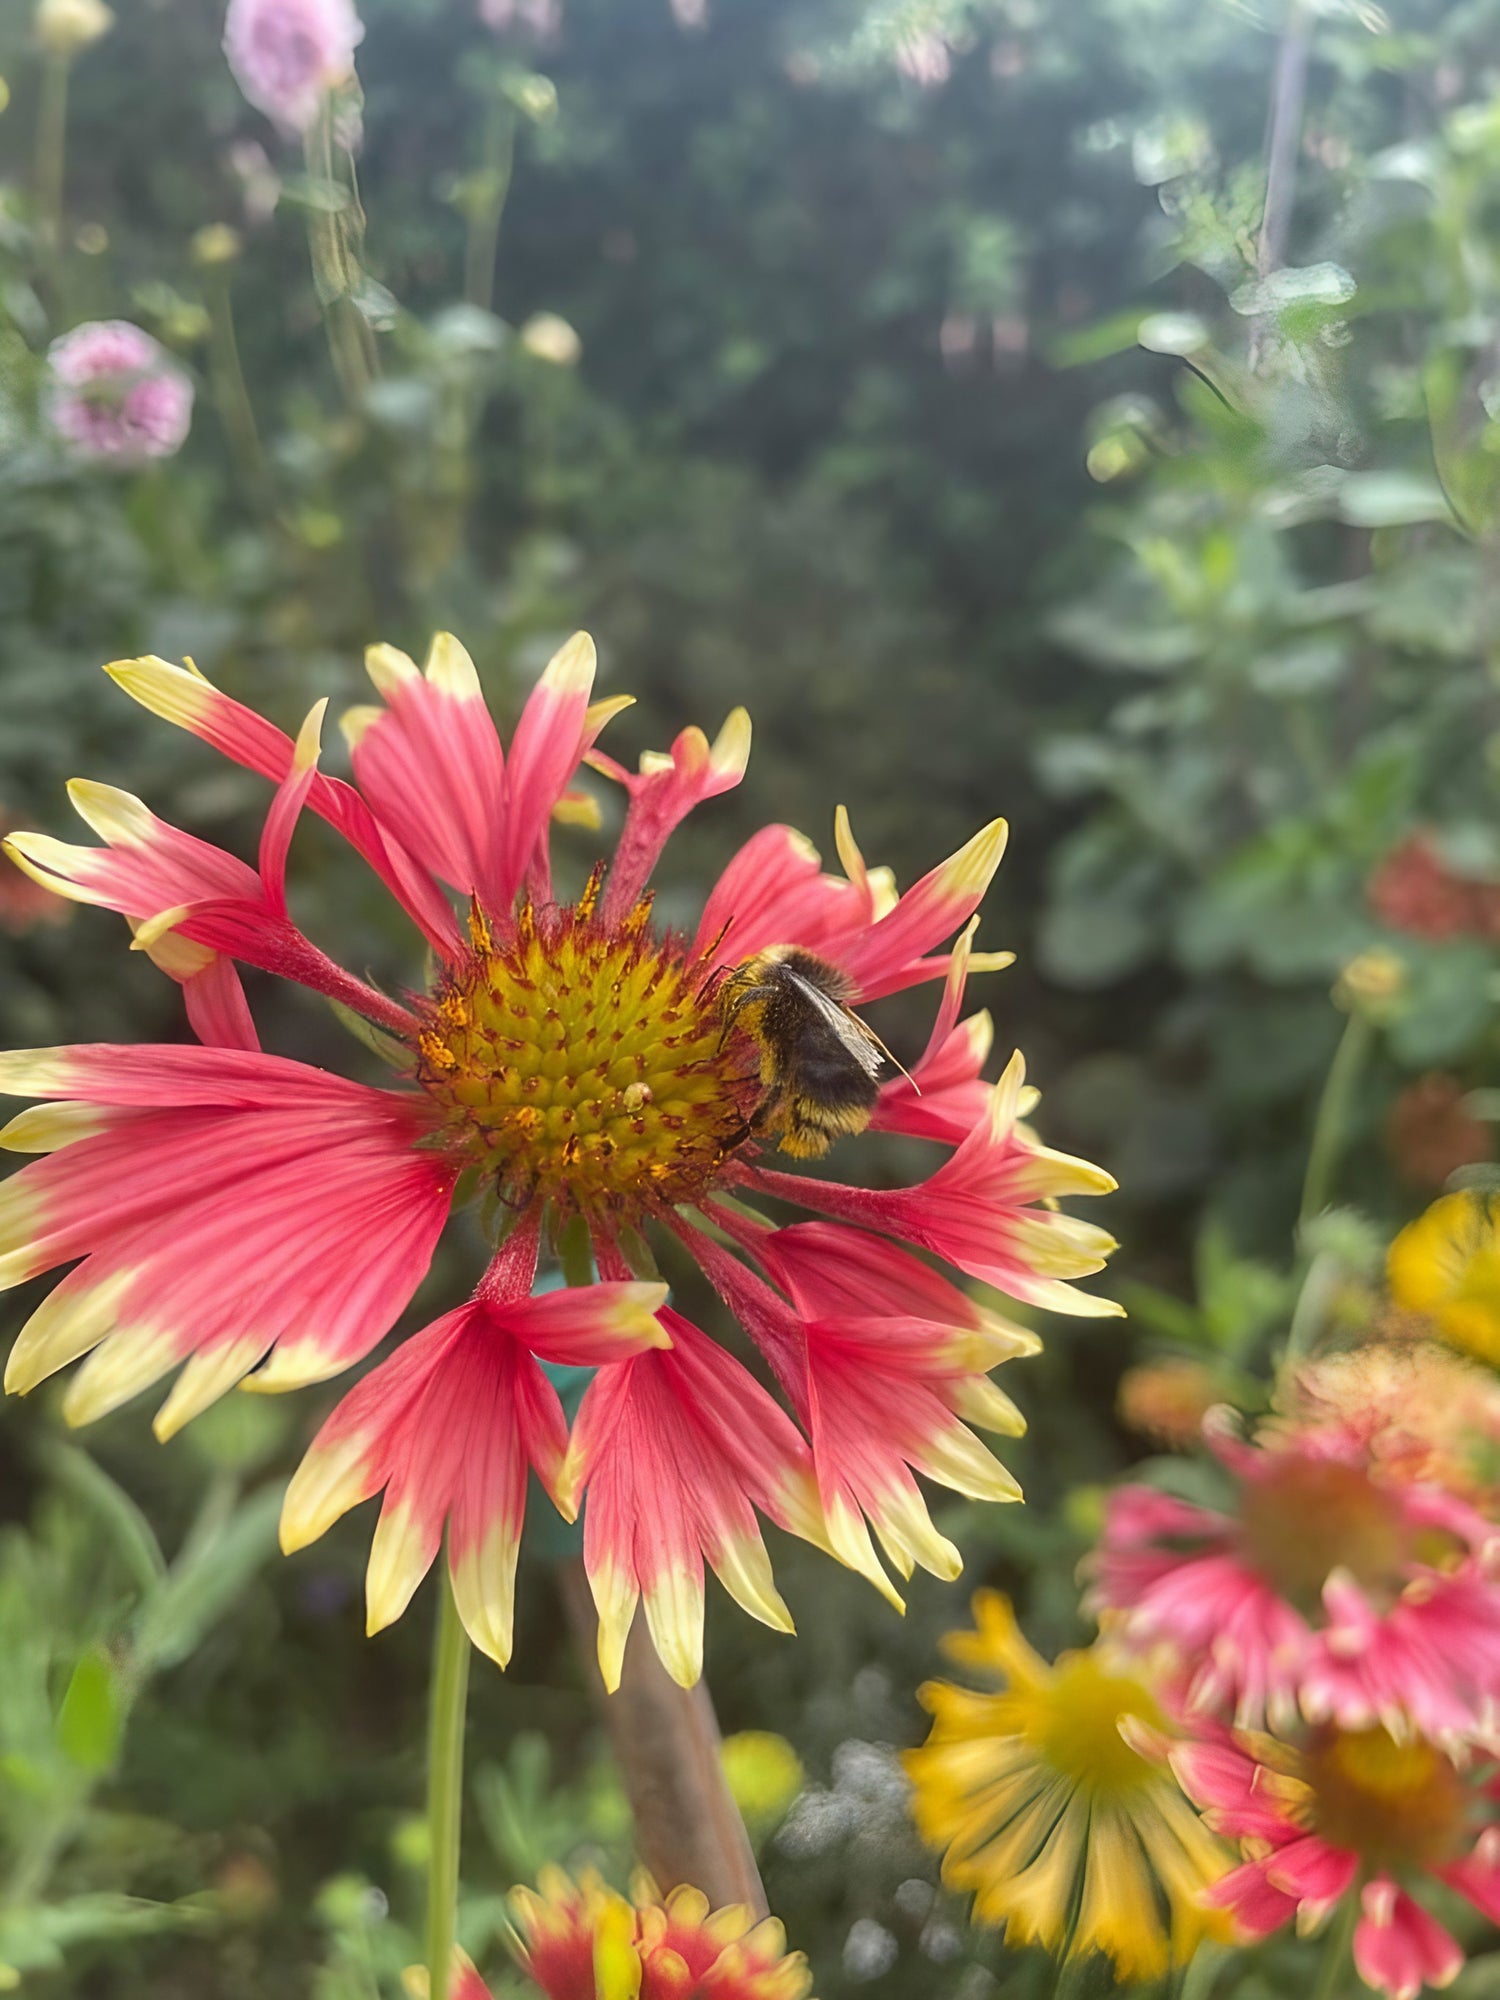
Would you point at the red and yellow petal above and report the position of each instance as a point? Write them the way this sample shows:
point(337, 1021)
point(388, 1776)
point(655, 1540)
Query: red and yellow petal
point(232, 1203)
point(675, 1452)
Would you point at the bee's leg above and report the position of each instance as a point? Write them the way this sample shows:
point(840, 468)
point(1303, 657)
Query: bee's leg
point(742, 999)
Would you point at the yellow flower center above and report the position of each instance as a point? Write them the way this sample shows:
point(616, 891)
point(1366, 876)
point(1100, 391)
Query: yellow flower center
point(1074, 1721)
point(585, 1066)
point(1394, 1804)
point(1308, 1517)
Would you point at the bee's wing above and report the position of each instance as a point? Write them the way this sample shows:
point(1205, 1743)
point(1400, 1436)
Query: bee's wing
point(861, 1042)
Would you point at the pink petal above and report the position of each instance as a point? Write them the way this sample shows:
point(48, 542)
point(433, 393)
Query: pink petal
point(183, 696)
point(1398, 1947)
point(431, 767)
point(675, 1451)
point(548, 745)
point(662, 796)
point(890, 954)
point(224, 1230)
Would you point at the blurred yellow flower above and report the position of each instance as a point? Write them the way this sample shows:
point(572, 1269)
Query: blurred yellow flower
point(1446, 1265)
point(215, 243)
point(764, 1774)
point(550, 338)
point(1056, 1807)
point(66, 27)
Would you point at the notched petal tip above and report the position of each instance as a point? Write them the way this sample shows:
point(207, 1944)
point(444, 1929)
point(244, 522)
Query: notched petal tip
point(43, 860)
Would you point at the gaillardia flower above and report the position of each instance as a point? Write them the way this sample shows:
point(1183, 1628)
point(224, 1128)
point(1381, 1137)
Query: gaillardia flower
point(1332, 1589)
point(1055, 1805)
point(573, 1067)
point(582, 1941)
point(1351, 1813)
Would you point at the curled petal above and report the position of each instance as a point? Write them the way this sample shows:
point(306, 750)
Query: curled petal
point(662, 794)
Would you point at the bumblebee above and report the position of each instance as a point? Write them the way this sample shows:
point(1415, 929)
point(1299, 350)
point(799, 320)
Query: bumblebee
point(818, 1062)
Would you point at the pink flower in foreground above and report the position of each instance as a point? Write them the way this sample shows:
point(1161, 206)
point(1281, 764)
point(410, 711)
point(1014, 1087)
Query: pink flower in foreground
point(288, 54)
point(1353, 1813)
point(113, 392)
point(1329, 1591)
point(571, 1065)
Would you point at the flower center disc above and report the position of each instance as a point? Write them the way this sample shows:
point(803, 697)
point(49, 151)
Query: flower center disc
point(1307, 1518)
point(1395, 1804)
point(585, 1066)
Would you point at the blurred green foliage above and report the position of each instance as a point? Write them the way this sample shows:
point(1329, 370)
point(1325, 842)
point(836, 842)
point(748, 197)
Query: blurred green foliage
point(930, 397)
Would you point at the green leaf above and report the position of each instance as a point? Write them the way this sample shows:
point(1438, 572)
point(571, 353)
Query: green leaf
point(206, 1579)
point(1173, 333)
point(1305, 285)
point(119, 1516)
point(321, 196)
point(1392, 499)
point(90, 1721)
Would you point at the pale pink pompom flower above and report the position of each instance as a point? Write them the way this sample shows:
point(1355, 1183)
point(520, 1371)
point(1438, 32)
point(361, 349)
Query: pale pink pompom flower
point(115, 393)
point(287, 54)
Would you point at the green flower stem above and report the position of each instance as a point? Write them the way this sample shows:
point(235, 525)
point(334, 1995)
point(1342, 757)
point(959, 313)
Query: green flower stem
point(51, 148)
point(1331, 1127)
point(1337, 1950)
point(487, 205)
point(333, 239)
point(445, 1783)
point(231, 394)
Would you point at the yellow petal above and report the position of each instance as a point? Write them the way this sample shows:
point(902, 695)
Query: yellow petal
point(119, 1368)
point(484, 1589)
point(64, 1326)
point(176, 694)
point(450, 669)
point(205, 1377)
point(400, 1556)
point(330, 1480)
point(674, 1616)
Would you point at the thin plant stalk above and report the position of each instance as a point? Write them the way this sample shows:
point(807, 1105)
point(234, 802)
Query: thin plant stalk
point(1337, 1956)
point(445, 1783)
point(333, 239)
point(231, 394)
point(1283, 139)
point(1331, 1126)
point(51, 146)
point(487, 207)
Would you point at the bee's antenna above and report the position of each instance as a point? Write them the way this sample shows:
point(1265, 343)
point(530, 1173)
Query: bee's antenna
point(892, 1060)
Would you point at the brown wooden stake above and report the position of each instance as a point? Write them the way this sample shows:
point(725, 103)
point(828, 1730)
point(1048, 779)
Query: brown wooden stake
point(666, 1743)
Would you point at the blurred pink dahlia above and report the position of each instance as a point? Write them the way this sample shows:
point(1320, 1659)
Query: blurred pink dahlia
point(112, 392)
point(1352, 1813)
point(288, 54)
point(572, 1066)
point(1328, 1591)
